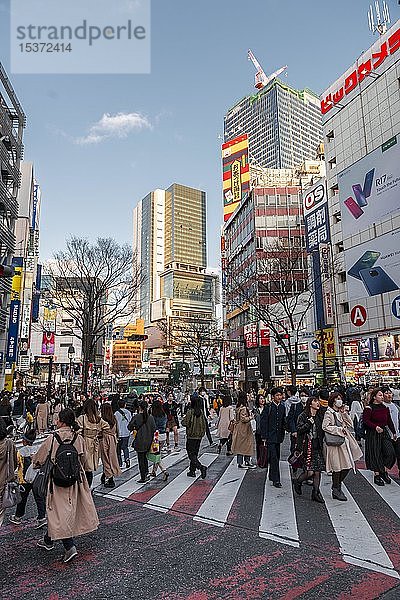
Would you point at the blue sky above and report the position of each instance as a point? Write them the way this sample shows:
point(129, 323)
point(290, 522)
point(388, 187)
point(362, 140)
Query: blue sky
point(199, 69)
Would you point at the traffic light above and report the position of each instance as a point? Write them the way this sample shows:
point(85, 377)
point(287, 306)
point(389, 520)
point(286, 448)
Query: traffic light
point(137, 338)
point(6, 271)
point(282, 336)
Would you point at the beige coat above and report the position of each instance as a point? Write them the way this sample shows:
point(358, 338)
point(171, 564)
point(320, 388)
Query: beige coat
point(340, 457)
point(108, 451)
point(226, 414)
point(42, 416)
point(242, 437)
point(70, 511)
point(92, 433)
point(56, 414)
point(4, 444)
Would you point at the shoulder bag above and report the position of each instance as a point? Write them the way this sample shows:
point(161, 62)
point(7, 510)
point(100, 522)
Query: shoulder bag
point(41, 481)
point(12, 492)
point(331, 439)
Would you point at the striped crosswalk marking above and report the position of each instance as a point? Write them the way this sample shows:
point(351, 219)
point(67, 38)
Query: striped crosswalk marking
point(217, 506)
point(278, 516)
point(389, 493)
point(358, 543)
point(166, 498)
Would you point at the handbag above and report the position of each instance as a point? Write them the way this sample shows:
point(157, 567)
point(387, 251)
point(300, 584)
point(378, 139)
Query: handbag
point(12, 492)
point(295, 460)
point(262, 461)
point(41, 481)
point(231, 425)
point(331, 439)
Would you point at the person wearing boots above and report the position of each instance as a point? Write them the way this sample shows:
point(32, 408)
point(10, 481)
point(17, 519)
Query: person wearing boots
point(339, 458)
point(310, 438)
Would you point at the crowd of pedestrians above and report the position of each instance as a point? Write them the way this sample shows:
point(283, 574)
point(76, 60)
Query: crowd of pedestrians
point(327, 430)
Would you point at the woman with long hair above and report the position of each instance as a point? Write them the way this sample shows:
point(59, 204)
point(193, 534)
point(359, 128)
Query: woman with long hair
point(310, 437)
point(242, 436)
point(143, 427)
point(160, 420)
point(8, 462)
point(195, 423)
point(108, 447)
point(226, 415)
point(70, 510)
point(92, 427)
point(379, 452)
point(42, 415)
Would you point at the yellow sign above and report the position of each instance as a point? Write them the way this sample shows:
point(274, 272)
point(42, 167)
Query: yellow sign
point(236, 178)
point(49, 314)
point(326, 340)
point(16, 284)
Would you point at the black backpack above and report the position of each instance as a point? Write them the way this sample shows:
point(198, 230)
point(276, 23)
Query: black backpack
point(67, 469)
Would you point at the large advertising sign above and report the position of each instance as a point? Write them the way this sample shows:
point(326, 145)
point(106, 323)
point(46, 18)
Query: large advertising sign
point(15, 308)
point(369, 190)
point(48, 343)
point(381, 55)
point(236, 173)
point(315, 207)
point(373, 268)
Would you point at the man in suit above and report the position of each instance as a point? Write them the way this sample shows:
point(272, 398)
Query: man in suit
point(272, 429)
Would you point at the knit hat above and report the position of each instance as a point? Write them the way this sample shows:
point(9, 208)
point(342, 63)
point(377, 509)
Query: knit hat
point(323, 397)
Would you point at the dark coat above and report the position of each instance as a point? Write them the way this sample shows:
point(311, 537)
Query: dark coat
point(295, 411)
point(145, 432)
point(272, 423)
point(304, 427)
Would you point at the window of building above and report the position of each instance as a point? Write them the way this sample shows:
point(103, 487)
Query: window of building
point(344, 308)
point(330, 135)
point(332, 162)
point(339, 247)
point(342, 277)
point(337, 217)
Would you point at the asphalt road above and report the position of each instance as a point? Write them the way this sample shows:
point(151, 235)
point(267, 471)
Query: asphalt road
point(163, 552)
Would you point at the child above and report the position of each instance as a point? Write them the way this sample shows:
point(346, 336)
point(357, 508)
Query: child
point(24, 460)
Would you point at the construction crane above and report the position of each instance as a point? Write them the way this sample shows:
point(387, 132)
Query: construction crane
point(261, 79)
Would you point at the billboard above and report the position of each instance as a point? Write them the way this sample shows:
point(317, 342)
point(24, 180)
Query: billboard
point(235, 173)
point(369, 190)
point(373, 267)
point(48, 343)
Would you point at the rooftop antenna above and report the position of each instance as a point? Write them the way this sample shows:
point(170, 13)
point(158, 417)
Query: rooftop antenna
point(380, 18)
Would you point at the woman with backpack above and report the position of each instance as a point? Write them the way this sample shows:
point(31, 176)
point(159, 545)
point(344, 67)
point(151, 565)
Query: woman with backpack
point(195, 423)
point(70, 508)
point(108, 447)
point(92, 427)
point(143, 427)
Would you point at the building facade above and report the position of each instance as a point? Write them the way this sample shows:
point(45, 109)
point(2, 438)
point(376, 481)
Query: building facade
point(12, 123)
point(361, 123)
point(283, 125)
point(126, 355)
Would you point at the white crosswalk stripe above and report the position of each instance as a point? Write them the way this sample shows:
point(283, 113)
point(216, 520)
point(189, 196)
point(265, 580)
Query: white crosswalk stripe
point(278, 517)
point(358, 543)
point(166, 498)
point(389, 493)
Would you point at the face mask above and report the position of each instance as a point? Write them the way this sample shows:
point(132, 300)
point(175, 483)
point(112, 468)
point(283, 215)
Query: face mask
point(338, 403)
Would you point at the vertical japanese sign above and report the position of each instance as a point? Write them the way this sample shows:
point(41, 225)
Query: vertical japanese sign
point(235, 173)
point(327, 348)
point(15, 308)
point(326, 282)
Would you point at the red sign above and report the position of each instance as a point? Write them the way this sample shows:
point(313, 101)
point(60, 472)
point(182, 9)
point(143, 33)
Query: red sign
point(358, 315)
point(362, 70)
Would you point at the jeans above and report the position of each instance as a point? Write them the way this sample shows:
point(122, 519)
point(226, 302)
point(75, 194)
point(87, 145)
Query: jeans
point(40, 502)
point(143, 464)
point(192, 449)
point(274, 454)
point(123, 446)
point(240, 458)
point(67, 542)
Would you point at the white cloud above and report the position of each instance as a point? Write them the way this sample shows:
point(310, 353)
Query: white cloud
point(114, 126)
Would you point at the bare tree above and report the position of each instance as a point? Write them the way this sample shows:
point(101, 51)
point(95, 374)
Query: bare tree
point(199, 338)
point(94, 283)
point(278, 290)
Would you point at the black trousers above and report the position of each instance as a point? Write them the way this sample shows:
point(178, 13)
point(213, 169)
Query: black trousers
point(274, 454)
point(192, 449)
point(143, 464)
point(40, 502)
point(396, 446)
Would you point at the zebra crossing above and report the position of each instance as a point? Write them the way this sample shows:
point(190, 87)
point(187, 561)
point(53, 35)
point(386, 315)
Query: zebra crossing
point(277, 512)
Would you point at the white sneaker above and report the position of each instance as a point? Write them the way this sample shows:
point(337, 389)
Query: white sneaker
point(16, 520)
point(70, 554)
point(251, 466)
point(39, 523)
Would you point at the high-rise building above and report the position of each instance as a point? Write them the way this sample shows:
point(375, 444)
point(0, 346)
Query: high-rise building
point(12, 123)
point(169, 240)
point(283, 125)
point(361, 123)
point(127, 354)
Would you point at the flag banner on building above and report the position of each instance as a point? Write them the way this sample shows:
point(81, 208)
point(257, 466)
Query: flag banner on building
point(236, 173)
point(48, 343)
point(49, 319)
point(327, 350)
point(15, 309)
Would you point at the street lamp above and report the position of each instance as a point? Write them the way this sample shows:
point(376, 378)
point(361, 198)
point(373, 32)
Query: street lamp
point(71, 354)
